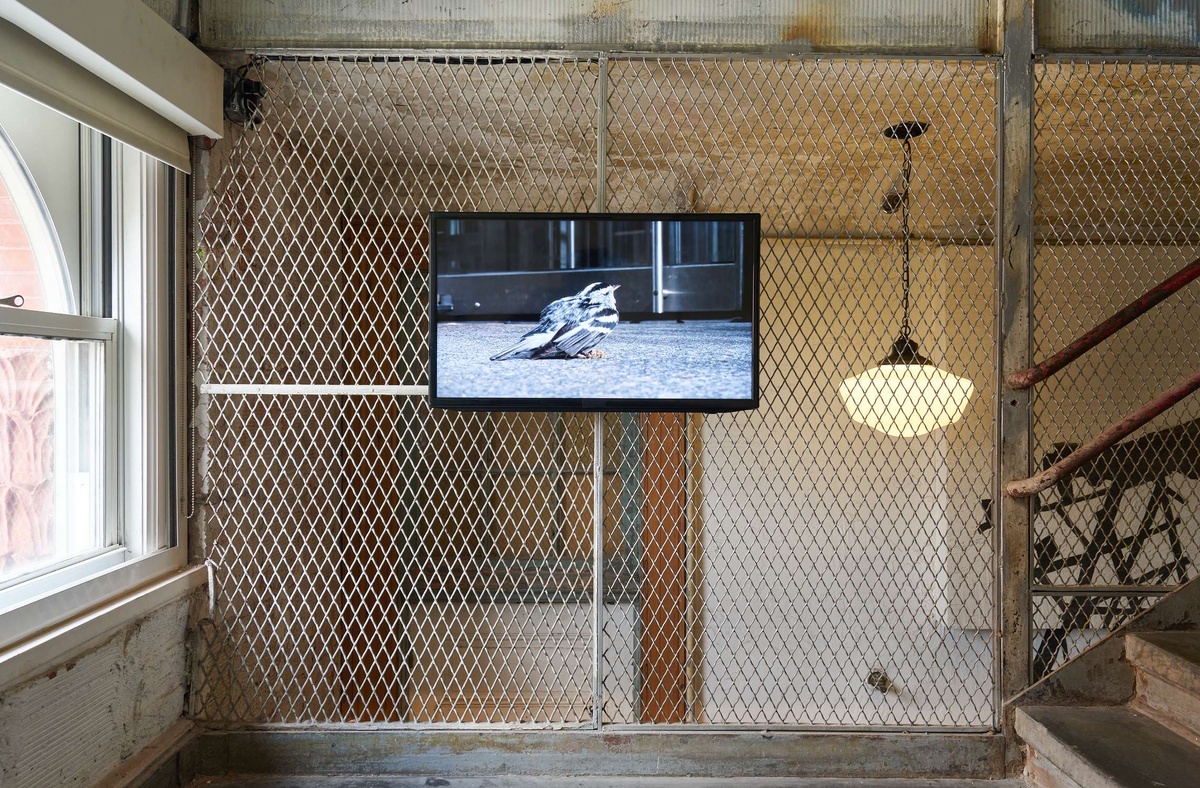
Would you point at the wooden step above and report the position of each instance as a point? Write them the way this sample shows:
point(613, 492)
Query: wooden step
point(1104, 747)
point(1168, 677)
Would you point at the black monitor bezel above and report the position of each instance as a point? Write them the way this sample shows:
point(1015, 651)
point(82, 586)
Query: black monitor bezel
point(571, 405)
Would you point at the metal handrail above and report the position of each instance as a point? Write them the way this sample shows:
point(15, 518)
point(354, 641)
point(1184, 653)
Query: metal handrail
point(1024, 488)
point(1132, 311)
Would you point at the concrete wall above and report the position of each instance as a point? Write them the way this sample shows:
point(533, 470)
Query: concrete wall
point(73, 724)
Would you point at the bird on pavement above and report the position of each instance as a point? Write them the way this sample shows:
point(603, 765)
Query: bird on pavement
point(570, 327)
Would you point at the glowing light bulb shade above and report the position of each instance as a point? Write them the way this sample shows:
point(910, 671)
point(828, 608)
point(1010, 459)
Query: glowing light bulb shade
point(906, 400)
point(906, 395)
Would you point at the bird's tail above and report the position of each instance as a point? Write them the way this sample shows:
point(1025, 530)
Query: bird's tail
point(531, 345)
point(522, 349)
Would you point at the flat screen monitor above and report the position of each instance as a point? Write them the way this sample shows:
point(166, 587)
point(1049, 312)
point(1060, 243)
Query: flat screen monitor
point(594, 312)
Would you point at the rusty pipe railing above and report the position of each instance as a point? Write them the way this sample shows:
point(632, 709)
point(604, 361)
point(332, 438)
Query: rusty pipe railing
point(1024, 488)
point(1132, 311)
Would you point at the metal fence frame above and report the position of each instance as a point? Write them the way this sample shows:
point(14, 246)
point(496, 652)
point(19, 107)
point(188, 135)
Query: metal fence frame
point(1014, 251)
point(604, 60)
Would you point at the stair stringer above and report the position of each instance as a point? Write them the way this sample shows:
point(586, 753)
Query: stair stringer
point(1100, 676)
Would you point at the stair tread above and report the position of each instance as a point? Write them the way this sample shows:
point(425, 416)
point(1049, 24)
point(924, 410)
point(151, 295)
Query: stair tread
point(1110, 746)
point(1172, 655)
point(1184, 645)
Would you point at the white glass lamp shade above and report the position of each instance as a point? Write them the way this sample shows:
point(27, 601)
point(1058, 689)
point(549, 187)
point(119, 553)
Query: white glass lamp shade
point(906, 400)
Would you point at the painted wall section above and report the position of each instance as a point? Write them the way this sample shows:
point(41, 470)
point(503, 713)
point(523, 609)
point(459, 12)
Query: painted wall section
point(173, 11)
point(72, 725)
point(790, 25)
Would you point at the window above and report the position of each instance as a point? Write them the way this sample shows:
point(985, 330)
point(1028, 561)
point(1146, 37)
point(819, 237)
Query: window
point(87, 240)
point(51, 391)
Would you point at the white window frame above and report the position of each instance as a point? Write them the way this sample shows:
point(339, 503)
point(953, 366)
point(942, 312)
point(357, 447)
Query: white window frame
point(146, 540)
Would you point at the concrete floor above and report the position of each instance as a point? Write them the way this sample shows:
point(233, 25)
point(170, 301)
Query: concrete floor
point(591, 782)
point(656, 360)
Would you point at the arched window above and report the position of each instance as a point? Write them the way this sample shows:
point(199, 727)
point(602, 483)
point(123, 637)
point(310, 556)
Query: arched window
point(32, 266)
point(39, 460)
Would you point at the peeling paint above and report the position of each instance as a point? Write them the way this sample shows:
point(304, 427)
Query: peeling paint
point(72, 724)
point(807, 28)
point(604, 8)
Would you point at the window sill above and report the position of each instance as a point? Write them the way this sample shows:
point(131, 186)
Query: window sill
point(76, 596)
point(58, 575)
point(52, 644)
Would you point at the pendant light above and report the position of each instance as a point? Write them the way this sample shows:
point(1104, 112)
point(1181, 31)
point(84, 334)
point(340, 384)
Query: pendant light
point(905, 395)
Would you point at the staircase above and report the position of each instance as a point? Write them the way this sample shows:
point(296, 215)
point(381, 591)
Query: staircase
point(1152, 741)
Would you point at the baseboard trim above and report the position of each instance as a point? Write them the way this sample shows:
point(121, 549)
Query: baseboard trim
point(318, 751)
point(170, 759)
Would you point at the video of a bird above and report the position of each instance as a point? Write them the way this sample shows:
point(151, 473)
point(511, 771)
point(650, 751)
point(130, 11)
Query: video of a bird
point(549, 308)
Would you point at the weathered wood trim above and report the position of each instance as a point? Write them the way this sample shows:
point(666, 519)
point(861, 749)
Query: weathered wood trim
point(572, 753)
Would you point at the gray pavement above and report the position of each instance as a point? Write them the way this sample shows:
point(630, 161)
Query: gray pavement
point(652, 360)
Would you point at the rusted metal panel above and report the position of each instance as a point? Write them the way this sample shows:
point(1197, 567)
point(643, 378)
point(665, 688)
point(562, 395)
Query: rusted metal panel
point(788, 25)
point(1112, 25)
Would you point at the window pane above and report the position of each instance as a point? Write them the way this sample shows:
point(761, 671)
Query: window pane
point(40, 205)
point(51, 463)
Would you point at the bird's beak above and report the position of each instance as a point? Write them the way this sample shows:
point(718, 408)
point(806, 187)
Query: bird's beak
point(615, 288)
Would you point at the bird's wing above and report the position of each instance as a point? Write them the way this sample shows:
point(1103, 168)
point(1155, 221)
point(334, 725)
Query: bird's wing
point(532, 341)
point(575, 338)
point(558, 311)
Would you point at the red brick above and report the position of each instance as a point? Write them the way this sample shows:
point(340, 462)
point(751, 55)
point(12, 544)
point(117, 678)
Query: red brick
point(12, 236)
point(18, 261)
point(8, 211)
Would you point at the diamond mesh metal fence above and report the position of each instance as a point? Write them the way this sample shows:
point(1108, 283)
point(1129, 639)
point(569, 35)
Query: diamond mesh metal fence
point(1117, 212)
point(1064, 626)
point(379, 561)
point(820, 550)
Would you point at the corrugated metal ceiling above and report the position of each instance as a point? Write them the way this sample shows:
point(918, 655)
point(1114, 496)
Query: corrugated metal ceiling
point(789, 25)
point(1114, 25)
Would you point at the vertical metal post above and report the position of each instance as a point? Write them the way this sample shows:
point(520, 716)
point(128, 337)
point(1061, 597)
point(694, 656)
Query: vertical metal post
point(602, 136)
point(1015, 335)
point(598, 436)
point(598, 571)
point(656, 268)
